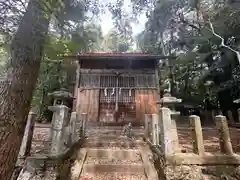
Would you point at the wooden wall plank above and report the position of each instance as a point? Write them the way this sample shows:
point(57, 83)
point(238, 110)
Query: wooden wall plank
point(88, 102)
point(146, 103)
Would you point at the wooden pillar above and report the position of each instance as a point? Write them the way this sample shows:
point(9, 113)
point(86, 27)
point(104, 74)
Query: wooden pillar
point(75, 102)
point(147, 128)
point(157, 80)
point(225, 140)
point(166, 131)
point(198, 146)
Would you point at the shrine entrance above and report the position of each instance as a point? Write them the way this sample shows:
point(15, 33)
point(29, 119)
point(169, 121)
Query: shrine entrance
point(117, 89)
point(117, 98)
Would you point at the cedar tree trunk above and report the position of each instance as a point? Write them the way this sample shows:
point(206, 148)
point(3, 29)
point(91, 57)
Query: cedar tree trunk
point(16, 93)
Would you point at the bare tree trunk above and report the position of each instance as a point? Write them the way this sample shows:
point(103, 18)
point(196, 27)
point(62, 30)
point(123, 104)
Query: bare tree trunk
point(16, 94)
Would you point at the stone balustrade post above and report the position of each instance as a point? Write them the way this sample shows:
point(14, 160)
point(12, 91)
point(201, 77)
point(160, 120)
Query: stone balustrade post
point(83, 125)
point(165, 124)
point(238, 114)
point(197, 135)
point(147, 128)
point(155, 129)
point(175, 139)
point(60, 123)
point(28, 135)
point(230, 116)
point(73, 128)
point(225, 140)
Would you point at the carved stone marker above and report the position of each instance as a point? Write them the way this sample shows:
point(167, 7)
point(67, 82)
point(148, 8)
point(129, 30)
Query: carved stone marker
point(59, 123)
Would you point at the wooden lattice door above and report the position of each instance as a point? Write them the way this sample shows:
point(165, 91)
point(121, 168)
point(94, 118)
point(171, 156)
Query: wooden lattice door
point(117, 99)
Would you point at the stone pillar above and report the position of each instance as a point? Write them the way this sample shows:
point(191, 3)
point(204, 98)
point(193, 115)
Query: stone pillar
point(147, 128)
point(155, 129)
point(59, 123)
point(230, 116)
point(166, 131)
point(73, 128)
point(83, 125)
point(238, 114)
point(175, 136)
point(197, 136)
point(27, 138)
point(225, 140)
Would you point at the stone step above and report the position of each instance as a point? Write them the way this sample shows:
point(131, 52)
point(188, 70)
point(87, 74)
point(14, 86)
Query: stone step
point(110, 168)
point(128, 161)
point(114, 176)
point(116, 154)
point(115, 137)
point(112, 144)
point(114, 134)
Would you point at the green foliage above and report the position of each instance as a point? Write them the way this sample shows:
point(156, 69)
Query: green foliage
point(114, 42)
point(89, 37)
point(69, 34)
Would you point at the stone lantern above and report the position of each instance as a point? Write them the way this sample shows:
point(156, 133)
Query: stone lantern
point(168, 117)
point(62, 97)
point(61, 109)
point(169, 101)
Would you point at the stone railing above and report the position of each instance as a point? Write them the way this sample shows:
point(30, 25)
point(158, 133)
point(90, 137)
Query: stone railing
point(27, 139)
point(161, 134)
point(64, 138)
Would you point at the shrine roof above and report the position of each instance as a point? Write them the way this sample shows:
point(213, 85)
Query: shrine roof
point(118, 56)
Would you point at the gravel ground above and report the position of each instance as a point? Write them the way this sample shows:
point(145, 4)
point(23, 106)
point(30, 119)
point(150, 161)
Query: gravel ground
point(40, 147)
point(50, 174)
point(113, 176)
point(41, 139)
point(41, 133)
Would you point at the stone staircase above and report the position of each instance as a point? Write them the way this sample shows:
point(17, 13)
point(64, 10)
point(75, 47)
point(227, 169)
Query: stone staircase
point(109, 156)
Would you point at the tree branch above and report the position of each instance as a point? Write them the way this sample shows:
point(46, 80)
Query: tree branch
point(222, 42)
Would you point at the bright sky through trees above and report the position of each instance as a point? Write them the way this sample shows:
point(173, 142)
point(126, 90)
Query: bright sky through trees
point(107, 22)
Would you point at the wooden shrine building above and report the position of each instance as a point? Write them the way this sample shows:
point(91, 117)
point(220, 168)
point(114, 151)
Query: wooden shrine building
point(116, 88)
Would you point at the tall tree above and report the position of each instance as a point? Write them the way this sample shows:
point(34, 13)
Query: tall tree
point(16, 93)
